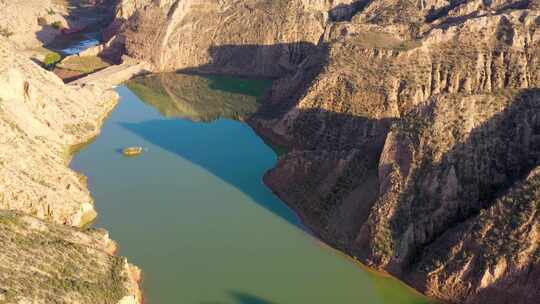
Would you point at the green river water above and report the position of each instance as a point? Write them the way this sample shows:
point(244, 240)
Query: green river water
point(193, 212)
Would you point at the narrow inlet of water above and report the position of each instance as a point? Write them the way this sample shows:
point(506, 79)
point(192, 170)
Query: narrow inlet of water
point(193, 212)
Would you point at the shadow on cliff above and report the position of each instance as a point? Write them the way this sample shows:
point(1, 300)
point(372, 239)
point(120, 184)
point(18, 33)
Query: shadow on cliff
point(293, 66)
point(260, 61)
point(242, 298)
point(345, 12)
point(85, 20)
point(495, 155)
point(520, 287)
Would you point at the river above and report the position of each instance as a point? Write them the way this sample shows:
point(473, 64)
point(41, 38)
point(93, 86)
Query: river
point(193, 212)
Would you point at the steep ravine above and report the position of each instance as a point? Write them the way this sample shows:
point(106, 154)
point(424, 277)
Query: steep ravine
point(411, 125)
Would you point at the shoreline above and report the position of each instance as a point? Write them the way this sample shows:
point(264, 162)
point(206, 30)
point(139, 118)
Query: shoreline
point(135, 273)
point(305, 226)
point(271, 138)
point(70, 150)
point(317, 237)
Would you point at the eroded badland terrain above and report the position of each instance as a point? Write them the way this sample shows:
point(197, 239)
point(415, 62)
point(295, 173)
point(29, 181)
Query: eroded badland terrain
point(413, 127)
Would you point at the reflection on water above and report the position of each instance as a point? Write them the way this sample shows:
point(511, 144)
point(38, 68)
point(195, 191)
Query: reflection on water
point(200, 98)
point(193, 212)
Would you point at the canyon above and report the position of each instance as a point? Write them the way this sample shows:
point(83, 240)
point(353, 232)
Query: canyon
point(412, 125)
point(412, 131)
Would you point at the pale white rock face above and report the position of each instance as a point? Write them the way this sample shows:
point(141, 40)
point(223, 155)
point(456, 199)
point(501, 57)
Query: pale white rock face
point(20, 18)
point(40, 118)
point(209, 34)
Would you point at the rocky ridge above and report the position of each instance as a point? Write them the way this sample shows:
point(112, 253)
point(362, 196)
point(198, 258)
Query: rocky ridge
point(412, 124)
point(34, 24)
point(40, 119)
point(22, 21)
point(171, 35)
point(45, 256)
point(50, 263)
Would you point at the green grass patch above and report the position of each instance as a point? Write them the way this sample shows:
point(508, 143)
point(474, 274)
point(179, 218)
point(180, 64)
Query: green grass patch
point(57, 25)
point(83, 64)
point(51, 59)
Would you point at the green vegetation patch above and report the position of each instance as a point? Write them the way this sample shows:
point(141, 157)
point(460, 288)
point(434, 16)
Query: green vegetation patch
point(57, 25)
point(83, 64)
point(51, 59)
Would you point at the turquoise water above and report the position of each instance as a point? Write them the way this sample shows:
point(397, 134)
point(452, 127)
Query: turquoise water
point(194, 214)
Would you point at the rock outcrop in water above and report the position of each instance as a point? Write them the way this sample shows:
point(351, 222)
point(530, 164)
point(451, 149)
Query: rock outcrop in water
point(413, 125)
point(43, 261)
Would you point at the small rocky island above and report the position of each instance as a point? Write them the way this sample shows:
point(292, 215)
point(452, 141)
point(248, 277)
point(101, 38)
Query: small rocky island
point(412, 130)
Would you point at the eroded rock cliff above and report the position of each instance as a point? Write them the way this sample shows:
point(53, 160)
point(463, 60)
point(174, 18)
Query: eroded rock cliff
point(40, 119)
point(29, 23)
point(263, 38)
point(43, 261)
point(400, 214)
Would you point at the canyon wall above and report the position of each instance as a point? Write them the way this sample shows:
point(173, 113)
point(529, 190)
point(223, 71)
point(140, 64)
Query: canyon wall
point(21, 21)
point(40, 119)
point(412, 125)
point(44, 261)
point(33, 24)
point(459, 98)
point(258, 38)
